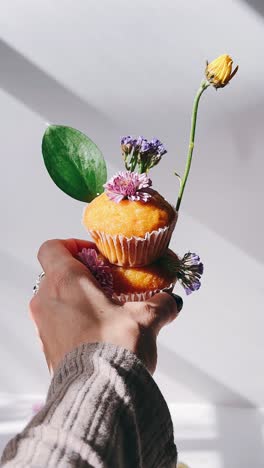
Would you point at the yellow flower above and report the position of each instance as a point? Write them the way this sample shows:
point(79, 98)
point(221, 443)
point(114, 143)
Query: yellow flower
point(219, 71)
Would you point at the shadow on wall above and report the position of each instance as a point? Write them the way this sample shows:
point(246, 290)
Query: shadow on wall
point(47, 97)
point(235, 182)
point(258, 5)
point(197, 380)
point(238, 422)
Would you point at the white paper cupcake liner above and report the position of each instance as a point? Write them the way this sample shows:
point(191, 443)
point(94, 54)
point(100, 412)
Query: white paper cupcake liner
point(141, 296)
point(134, 251)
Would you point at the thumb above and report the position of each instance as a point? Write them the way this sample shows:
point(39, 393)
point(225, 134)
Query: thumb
point(158, 311)
point(164, 308)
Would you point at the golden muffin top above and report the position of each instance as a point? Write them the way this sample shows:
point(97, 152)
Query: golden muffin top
point(147, 278)
point(129, 218)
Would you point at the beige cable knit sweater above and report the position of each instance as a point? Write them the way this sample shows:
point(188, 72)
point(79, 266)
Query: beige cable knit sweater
point(103, 409)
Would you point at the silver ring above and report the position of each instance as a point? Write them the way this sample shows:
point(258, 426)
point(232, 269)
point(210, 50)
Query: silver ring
point(38, 280)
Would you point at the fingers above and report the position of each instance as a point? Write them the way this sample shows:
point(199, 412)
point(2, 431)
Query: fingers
point(58, 260)
point(156, 312)
point(76, 245)
point(54, 253)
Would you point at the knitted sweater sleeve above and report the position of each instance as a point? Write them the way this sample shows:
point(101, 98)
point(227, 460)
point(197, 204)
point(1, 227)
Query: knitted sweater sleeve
point(103, 409)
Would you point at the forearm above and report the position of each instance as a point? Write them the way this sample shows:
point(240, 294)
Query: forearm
point(103, 408)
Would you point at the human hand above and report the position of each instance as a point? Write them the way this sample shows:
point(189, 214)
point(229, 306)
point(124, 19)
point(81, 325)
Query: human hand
point(70, 309)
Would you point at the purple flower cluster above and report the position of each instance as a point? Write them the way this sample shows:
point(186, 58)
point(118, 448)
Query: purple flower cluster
point(99, 269)
point(153, 146)
point(128, 185)
point(141, 152)
point(190, 271)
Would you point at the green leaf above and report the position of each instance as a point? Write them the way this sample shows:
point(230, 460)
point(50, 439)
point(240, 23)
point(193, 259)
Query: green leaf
point(74, 162)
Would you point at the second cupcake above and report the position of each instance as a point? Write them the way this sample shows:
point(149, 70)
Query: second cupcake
point(132, 284)
point(141, 283)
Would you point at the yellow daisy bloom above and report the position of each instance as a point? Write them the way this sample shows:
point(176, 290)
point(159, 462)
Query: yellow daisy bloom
point(219, 71)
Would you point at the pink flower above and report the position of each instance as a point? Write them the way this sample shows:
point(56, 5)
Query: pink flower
point(99, 269)
point(129, 185)
point(37, 407)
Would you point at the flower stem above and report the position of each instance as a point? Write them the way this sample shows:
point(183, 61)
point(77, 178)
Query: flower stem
point(133, 163)
point(204, 85)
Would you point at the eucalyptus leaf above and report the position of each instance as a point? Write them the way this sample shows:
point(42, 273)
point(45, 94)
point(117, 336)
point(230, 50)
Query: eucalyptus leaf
point(74, 162)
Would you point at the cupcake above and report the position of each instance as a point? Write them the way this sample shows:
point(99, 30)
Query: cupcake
point(140, 283)
point(131, 284)
point(130, 223)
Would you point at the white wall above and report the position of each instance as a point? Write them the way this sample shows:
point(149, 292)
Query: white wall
point(115, 67)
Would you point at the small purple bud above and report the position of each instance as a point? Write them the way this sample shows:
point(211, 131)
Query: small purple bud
point(145, 146)
point(155, 142)
point(126, 140)
point(139, 141)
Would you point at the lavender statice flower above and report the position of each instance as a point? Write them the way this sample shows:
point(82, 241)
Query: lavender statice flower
point(126, 140)
point(152, 152)
point(190, 271)
point(128, 185)
point(145, 146)
point(139, 141)
point(141, 153)
point(127, 144)
point(99, 269)
point(158, 147)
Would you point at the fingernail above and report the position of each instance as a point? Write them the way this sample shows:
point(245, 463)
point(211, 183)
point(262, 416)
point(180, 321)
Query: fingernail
point(178, 301)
